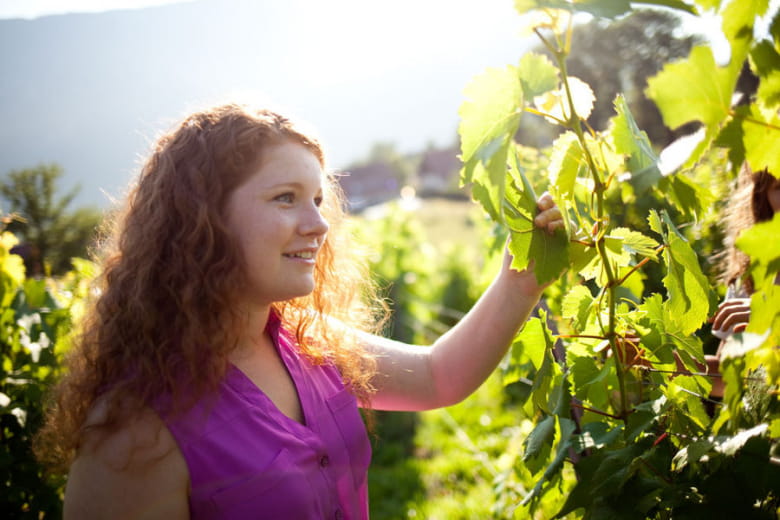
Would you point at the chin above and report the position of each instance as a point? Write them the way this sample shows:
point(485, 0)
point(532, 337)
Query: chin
point(301, 291)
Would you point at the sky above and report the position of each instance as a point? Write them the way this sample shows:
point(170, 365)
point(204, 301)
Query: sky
point(30, 9)
point(89, 84)
point(90, 88)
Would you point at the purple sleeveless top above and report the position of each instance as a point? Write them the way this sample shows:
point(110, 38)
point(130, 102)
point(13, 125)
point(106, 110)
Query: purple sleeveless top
point(247, 460)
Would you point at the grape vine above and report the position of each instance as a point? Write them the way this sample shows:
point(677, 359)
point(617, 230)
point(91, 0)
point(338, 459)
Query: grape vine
point(619, 392)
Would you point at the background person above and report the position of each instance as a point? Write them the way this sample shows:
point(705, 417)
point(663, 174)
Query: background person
point(756, 199)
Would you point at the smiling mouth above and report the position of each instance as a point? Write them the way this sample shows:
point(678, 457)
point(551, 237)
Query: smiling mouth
point(306, 255)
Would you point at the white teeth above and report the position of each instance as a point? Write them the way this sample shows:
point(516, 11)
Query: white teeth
point(303, 254)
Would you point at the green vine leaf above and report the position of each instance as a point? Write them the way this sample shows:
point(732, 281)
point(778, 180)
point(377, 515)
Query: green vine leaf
point(566, 164)
point(555, 103)
point(693, 452)
point(691, 199)
point(766, 60)
point(760, 242)
point(629, 140)
point(761, 137)
point(690, 296)
point(537, 74)
point(490, 116)
point(635, 243)
point(566, 427)
point(708, 101)
point(531, 343)
point(577, 305)
point(732, 444)
point(538, 444)
point(550, 253)
point(761, 245)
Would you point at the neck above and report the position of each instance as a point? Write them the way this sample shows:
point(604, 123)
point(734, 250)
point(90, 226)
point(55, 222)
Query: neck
point(252, 336)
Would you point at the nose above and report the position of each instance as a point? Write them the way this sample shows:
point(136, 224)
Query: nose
point(313, 223)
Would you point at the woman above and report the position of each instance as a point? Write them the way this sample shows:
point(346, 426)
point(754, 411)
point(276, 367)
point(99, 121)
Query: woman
point(217, 374)
point(756, 199)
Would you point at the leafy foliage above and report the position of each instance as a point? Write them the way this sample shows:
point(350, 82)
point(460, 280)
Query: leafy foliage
point(626, 405)
point(35, 319)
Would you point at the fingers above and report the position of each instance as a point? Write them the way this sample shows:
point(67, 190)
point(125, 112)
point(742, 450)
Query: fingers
point(545, 201)
point(549, 217)
point(730, 312)
point(734, 319)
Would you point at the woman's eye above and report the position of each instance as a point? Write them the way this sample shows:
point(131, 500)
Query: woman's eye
point(285, 197)
point(318, 201)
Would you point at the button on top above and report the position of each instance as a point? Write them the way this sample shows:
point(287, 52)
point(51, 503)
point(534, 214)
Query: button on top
point(324, 461)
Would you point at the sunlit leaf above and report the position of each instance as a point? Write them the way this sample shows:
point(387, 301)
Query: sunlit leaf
point(678, 152)
point(690, 296)
point(584, 260)
point(760, 242)
point(597, 435)
point(706, 98)
point(615, 252)
point(489, 116)
point(566, 164)
point(680, 390)
point(767, 63)
point(577, 305)
point(691, 453)
point(531, 341)
point(631, 141)
point(761, 139)
point(537, 74)
point(556, 104)
point(635, 243)
point(731, 445)
point(765, 311)
point(691, 199)
point(654, 221)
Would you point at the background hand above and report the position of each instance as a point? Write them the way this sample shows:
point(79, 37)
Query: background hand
point(732, 316)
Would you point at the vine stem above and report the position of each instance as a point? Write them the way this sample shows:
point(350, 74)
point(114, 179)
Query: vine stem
point(639, 266)
point(599, 187)
point(575, 336)
point(597, 412)
point(749, 119)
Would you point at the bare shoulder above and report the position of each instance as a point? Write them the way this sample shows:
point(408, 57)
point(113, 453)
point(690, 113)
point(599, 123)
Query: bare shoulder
point(136, 471)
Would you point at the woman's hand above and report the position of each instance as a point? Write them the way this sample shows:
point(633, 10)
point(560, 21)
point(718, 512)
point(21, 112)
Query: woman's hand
point(549, 219)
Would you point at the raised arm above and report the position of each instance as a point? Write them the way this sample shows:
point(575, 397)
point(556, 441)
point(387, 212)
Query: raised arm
point(419, 378)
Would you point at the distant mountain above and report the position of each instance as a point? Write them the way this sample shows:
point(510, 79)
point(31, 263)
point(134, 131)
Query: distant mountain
point(91, 91)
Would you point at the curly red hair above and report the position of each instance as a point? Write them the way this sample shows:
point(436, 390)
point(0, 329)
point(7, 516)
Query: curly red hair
point(161, 322)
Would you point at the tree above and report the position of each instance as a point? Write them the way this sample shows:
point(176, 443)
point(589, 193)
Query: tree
point(51, 234)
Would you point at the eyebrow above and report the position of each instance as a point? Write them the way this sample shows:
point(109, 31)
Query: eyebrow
point(289, 185)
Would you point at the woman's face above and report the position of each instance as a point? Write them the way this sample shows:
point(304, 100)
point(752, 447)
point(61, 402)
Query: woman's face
point(275, 218)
